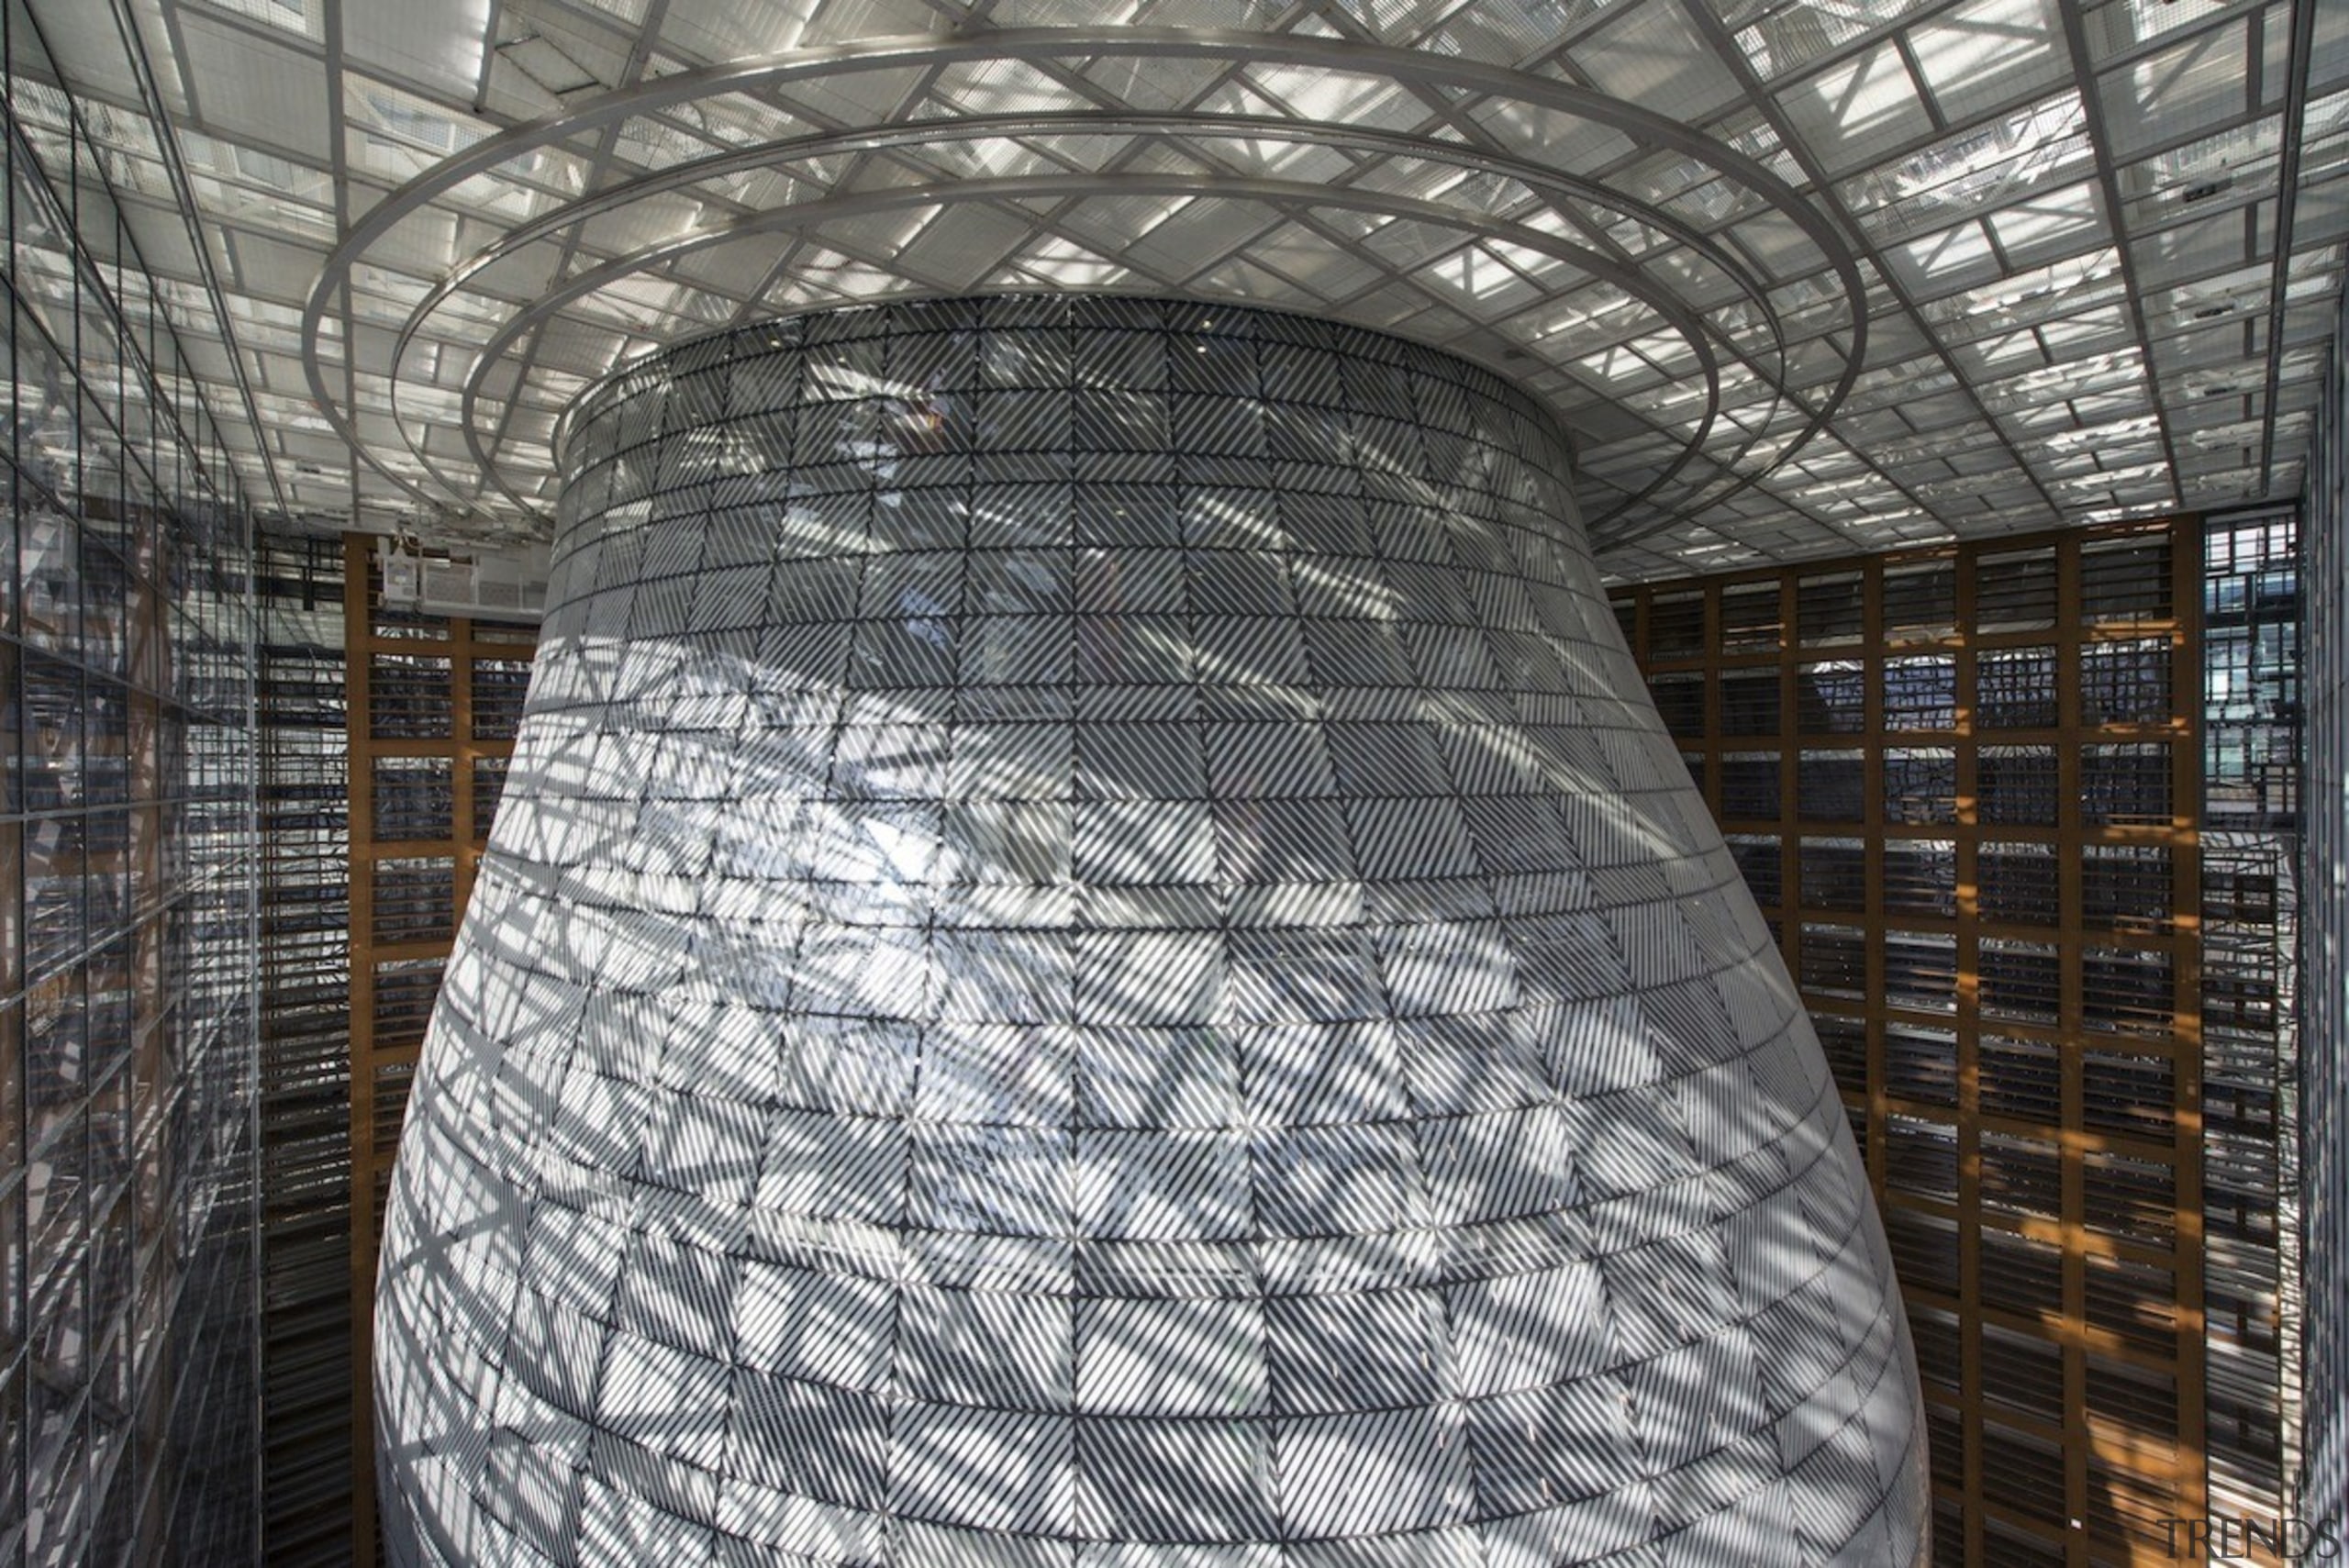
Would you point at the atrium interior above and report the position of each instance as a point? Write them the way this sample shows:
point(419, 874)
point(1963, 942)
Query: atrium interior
point(1181, 782)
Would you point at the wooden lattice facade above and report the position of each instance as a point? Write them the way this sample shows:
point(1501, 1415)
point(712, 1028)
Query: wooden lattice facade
point(1964, 784)
point(434, 703)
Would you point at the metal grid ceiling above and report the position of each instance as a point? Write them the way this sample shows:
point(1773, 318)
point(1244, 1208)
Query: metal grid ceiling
point(1802, 276)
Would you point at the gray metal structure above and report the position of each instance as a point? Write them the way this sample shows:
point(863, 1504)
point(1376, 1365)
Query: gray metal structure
point(2016, 262)
point(1095, 954)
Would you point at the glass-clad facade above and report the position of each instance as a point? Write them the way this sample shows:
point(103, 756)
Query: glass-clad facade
point(127, 922)
point(2325, 954)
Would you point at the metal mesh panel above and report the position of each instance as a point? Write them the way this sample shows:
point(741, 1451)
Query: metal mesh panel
point(1033, 917)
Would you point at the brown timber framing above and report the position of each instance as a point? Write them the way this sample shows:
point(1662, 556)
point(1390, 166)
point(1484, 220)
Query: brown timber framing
point(2115, 595)
point(376, 1062)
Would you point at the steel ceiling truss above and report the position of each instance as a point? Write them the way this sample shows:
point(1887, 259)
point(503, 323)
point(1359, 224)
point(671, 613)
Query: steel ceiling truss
point(1965, 268)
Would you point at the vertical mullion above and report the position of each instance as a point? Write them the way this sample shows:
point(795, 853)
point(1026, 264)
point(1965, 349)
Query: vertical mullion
point(2192, 1478)
point(461, 755)
point(357, 621)
point(1790, 918)
point(1968, 1001)
point(1788, 736)
point(2070, 837)
point(1871, 739)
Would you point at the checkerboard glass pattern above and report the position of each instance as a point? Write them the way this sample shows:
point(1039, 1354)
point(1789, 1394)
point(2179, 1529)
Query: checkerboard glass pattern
point(1095, 955)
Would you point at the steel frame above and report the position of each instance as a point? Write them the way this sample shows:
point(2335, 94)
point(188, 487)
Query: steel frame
point(1422, 73)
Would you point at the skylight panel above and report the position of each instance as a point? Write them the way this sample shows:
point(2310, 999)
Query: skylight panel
point(1328, 271)
point(641, 223)
point(1203, 232)
point(1567, 141)
point(1147, 84)
point(640, 304)
point(2178, 91)
point(630, 13)
point(960, 245)
point(850, 97)
point(1583, 321)
point(1067, 263)
point(1272, 156)
point(1854, 111)
point(1776, 245)
point(2117, 27)
point(1983, 54)
point(1618, 369)
point(1317, 93)
point(1484, 283)
point(1790, 34)
point(2194, 249)
point(998, 88)
point(648, 142)
point(737, 119)
point(1653, 56)
point(1425, 180)
point(2242, 291)
point(398, 115)
point(1940, 263)
point(729, 29)
point(2035, 295)
point(2138, 480)
point(2221, 374)
point(1549, 271)
point(996, 157)
point(2091, 331)
point(1708, 206)
point(255, 207)
point(2216, 172)
point(436, 48)
point(1475, 29)
point(300, 17)
point(2059, 219)
point(2137, 436)
point(1240, 276)
point(484, 196)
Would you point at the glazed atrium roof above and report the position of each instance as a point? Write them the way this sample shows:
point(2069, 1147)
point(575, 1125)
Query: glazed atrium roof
point(1801, 277)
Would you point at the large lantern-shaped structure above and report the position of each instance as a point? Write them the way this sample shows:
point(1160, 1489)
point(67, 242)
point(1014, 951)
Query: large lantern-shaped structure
point(1095, 955)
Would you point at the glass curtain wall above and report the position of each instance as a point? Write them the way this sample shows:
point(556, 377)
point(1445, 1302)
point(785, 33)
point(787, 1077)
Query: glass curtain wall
point(2324, 927)
point(2250, 839)
point(127, 913)
point(306, 1364)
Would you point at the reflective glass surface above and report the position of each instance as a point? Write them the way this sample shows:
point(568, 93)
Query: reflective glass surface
point(127, 1044)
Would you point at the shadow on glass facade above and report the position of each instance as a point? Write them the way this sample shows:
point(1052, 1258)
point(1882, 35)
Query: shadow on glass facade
point(127, 936)
point(1094, 954)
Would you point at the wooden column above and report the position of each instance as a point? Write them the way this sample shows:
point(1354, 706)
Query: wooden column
point(380, 1066)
